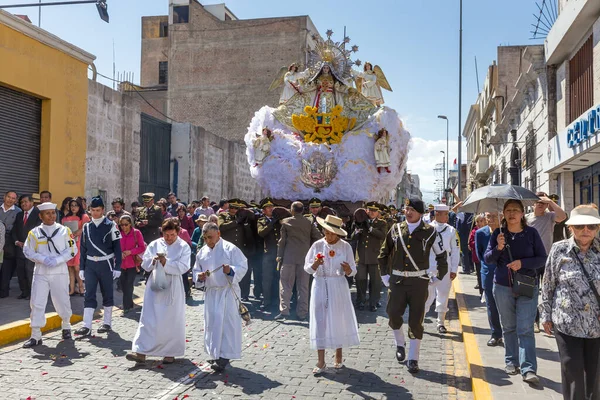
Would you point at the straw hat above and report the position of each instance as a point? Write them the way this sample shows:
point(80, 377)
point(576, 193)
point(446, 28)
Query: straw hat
point(332, 224)
point(584, 216)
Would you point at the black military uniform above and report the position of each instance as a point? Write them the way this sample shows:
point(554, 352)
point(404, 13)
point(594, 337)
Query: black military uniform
point(236, 227)
point(149, 219)
point(369, 236)
point(408, 281)
point(314, 203)
point(268, 229)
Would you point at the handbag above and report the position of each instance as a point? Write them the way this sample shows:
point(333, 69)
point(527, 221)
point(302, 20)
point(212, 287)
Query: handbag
point(522, 285)
point(158, 280)
point(588, 278)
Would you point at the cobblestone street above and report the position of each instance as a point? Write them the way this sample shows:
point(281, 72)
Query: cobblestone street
point(277, 363)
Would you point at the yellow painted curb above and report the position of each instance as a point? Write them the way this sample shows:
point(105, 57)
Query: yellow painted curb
point(21, 330)
point(481, 389)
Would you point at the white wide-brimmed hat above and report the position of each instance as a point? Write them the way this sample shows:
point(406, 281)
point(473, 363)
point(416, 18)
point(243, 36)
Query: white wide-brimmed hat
point(584, 216)
point(333, 224)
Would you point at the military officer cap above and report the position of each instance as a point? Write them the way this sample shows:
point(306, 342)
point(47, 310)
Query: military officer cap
point(266, 202)
point(254, 204)
point(315, 202)
point(554, 197)
point(383, 208)
point(237, 203)
point(373, 206)
point(441, 207)
point(392, 207)
point(148, 196)
point(416, 204)
point(431, 206)
point(97, 202)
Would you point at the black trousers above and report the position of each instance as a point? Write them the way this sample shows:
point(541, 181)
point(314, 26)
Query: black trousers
point(6, 273)
point(370, 271)
point(257, 271)
point(270, 279)
point(579, 367)
point(25, 275)
point(127, 280)
point(407, 292)
point(186, 283)
point(478, 271)
point(246, 280)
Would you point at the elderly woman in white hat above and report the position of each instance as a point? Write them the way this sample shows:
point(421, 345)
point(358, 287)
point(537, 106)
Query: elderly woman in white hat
point(332, 319)
point(571, 305)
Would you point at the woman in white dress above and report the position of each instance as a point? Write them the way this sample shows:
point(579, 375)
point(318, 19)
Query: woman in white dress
point(161, 331)
point(332, 319)
point(370, 88)
point(382, 151)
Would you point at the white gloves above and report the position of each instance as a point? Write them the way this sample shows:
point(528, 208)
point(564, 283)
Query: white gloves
point(82, 275)
point(433, 280)
point(50, 261)
point(386, 280)
point(116, 274)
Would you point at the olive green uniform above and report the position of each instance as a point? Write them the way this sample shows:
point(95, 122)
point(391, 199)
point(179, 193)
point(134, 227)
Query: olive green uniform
point(369, 236)
point(410, 291)
point(238, 230)
point(269, 231)
point(152, 214)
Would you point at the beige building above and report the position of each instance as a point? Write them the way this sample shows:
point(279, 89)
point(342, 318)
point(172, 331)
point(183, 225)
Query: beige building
point(572, 51)
point(203, 65)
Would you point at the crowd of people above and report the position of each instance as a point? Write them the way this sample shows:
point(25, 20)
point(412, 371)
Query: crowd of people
point(315, 257)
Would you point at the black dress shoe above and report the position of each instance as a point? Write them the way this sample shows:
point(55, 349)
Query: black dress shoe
point(104, 328)
point(493, 342)
point(373, 308)
point(442, 329)
point(83, 331)
point(400, 353)
point(22, 296)
point(413, 366)
point(219, 365)
point(378, 304)
point(281, 317)
point(66, 334)
point(32, 343)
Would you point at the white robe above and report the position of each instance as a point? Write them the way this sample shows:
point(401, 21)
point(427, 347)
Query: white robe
point(222, 320)
point(332, 319)
point(161, 331)
point(382, 153)
point(370, 89)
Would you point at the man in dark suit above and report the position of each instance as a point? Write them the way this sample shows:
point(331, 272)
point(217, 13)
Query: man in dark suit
point(297, 234)
point(25, 221)
point(269, 230)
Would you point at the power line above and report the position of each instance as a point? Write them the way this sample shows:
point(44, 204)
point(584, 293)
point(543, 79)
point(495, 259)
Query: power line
point(139, 94)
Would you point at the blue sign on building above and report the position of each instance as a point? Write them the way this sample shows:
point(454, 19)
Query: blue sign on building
point(584, 127)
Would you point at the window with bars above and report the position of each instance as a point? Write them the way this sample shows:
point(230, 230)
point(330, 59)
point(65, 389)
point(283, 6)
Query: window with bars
point(530, 153)
point(163, 72)
point(581, 81)
point(164, 29)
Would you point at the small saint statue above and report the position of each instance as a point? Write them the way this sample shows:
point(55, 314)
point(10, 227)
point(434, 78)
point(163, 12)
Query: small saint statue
point(382, 151)
point(262, 146)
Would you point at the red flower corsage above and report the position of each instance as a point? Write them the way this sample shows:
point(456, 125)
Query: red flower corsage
point(320, 256)
point(331, 253)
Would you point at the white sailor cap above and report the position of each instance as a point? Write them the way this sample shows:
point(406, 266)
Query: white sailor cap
point(46, 206)
point(441, 207)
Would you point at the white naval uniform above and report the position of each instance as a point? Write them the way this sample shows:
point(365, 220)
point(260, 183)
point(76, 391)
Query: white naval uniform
point(52, 279)
point(439, 290)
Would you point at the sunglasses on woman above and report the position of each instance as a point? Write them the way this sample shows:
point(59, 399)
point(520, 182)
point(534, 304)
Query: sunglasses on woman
point(125, 225)
point(590, 227)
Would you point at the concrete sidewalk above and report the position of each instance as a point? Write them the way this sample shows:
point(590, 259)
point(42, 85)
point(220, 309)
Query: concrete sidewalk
point(14, 313)
point(487, 363)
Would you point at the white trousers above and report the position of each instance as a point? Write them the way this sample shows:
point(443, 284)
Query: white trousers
point(58, 287)
point(439, 291)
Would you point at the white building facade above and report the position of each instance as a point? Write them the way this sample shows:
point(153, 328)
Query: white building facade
point(572, 52)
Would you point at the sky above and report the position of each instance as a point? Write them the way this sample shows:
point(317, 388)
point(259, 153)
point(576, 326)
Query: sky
point(415, 43)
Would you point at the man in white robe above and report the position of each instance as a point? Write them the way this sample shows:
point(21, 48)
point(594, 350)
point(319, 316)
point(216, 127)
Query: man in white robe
point(161, 331)
point(221, 266)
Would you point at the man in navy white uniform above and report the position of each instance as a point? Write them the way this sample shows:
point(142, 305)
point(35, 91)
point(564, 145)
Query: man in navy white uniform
point(100, 263)
point(439, 290)
point(49, 246)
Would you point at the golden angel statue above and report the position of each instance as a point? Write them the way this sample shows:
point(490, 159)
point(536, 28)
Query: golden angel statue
point(290, 78)
point(262, 146)
point(382, 151)
point(370, 81)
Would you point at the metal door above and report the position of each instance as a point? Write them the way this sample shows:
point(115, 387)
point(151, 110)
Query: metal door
point(155, 156)
point(20, 125)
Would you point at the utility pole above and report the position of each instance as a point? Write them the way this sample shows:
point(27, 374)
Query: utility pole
point(460, 104)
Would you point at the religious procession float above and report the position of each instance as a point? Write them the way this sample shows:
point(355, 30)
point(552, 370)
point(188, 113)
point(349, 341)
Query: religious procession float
point(330, 137)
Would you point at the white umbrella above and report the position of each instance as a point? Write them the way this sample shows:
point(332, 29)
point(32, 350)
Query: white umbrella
point(492, 198)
